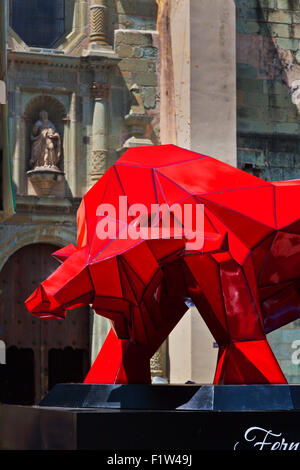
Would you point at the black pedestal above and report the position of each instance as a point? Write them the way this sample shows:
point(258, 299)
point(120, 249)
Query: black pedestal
point(160, 419)
point(175, 397)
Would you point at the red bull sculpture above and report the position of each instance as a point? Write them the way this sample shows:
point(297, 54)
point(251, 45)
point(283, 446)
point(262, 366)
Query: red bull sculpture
point(164, 227)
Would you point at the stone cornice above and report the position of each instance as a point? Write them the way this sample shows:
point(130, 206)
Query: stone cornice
point(103, 62)
point(49, 205)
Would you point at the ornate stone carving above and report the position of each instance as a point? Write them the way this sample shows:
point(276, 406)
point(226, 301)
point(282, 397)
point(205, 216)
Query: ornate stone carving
point(100, 90)
point(158, 363)
point(99, 154)
point(98, 45)
point(45, 157)
point(136, 122)
point(136, 104)
point(46, 144)
point(44, 181)
point(98, 163)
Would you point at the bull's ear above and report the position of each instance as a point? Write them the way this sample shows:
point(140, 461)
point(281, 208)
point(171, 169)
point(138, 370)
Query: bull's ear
point(64, 253)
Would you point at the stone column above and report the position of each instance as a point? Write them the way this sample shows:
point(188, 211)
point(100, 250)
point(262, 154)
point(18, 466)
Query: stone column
point(100, 327)
point(203, 55)
point(98, 164)
point(98, 22)
point(213, 79)
point(159, 364)
point(98, 39)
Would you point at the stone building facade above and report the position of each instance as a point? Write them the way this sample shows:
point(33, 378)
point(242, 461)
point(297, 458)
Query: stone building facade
point(220, 78)
point(76, 71)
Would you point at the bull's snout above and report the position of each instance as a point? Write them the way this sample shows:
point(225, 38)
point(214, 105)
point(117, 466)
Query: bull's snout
point(68, 287)
point(39, 305)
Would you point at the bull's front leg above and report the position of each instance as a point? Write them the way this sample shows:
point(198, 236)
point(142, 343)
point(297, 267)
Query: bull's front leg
point(127, 361)
point(120, 361)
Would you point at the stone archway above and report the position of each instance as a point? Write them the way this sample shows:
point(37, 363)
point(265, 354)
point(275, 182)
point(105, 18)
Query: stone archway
point(57, 236)
point(36, 346)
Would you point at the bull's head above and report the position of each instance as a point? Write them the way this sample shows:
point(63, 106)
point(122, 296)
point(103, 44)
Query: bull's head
point(70, 285)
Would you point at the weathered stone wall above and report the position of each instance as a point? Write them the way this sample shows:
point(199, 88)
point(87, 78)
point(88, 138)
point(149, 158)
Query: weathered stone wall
point(138, 53)
point(133, 14)
point(268, 121)
point(132, 31)
point(268, 33)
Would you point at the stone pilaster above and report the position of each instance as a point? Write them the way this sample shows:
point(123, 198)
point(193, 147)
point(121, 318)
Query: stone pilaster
point(72, 157)
point(19, 153)
point(98, 164)
point(205, 106)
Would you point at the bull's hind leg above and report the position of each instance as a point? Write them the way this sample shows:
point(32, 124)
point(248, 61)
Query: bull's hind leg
point(248, 362)
point(247, 357)
point(231, 310)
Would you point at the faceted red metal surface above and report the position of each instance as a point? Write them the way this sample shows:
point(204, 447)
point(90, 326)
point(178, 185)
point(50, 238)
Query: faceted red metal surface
point(244, 280)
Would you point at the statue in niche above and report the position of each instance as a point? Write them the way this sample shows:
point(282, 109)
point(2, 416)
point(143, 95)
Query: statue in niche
point(46, 144)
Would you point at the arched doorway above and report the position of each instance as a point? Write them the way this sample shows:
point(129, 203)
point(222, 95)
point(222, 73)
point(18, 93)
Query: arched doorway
point(39, 353)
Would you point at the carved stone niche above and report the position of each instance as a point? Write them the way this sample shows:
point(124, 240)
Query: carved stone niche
point(45, 117)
